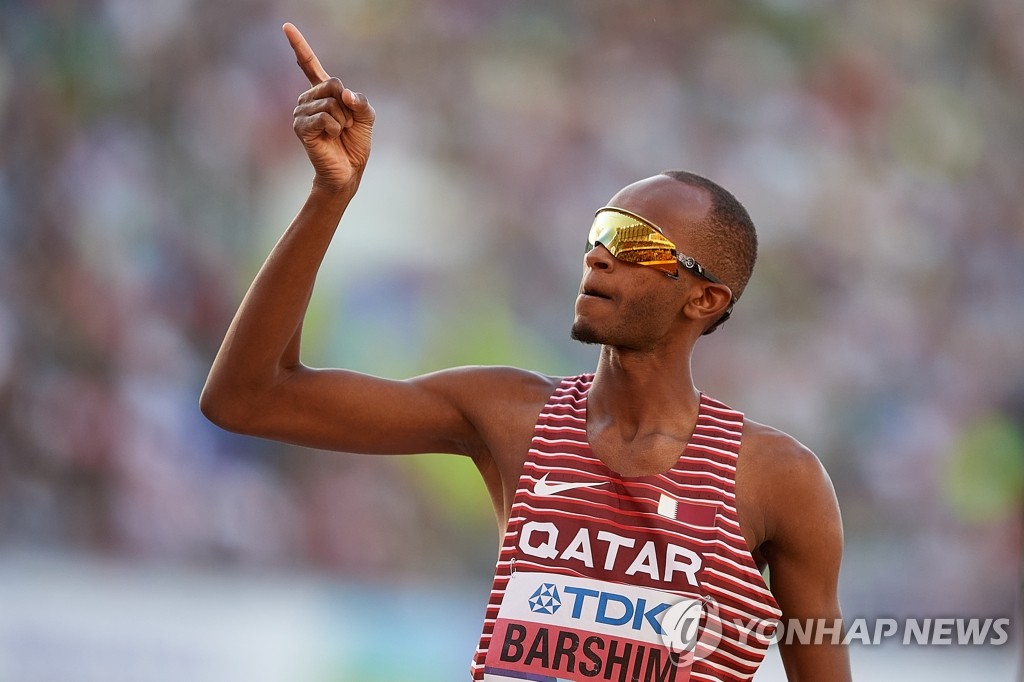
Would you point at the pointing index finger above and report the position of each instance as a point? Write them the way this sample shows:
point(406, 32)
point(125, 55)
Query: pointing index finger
point(304, 56)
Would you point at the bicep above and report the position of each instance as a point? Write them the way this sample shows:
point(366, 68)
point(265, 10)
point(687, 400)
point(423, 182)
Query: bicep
point(342, 410)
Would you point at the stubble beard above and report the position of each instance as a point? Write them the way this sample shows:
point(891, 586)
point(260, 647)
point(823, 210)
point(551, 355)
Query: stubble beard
point(633, 331)
point(624, 335)
point(584, 333)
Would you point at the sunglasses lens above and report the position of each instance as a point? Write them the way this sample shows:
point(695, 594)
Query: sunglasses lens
point(632, 241)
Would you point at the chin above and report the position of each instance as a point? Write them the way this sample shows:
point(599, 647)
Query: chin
point(622, 338)
point(584, 333)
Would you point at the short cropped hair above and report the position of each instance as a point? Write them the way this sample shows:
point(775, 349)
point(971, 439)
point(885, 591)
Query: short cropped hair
point(726, 241)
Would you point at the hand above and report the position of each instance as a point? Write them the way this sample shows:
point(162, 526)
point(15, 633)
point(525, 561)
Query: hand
point(334, 123)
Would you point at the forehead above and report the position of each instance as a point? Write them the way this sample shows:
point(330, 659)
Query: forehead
point(672, 205)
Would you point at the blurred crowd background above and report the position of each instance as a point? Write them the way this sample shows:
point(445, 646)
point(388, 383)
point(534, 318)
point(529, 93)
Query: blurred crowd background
point(147, 165)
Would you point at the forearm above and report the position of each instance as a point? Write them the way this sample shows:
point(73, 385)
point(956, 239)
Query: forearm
point(262, 343)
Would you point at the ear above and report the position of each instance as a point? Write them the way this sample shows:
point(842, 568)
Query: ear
point(707, 302)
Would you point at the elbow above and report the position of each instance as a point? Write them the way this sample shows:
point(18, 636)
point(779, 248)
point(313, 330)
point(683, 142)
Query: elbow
point(243, 404)
point(223, 408)
point(239, 407)
point(212, 405)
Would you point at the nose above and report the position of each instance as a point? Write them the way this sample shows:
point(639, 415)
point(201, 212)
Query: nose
point(599, 258)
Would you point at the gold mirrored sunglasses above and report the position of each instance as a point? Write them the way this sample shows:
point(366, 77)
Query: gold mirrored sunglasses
point(632, 239)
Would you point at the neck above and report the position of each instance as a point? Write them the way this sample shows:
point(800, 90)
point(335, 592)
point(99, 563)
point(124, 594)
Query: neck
point(644, 392)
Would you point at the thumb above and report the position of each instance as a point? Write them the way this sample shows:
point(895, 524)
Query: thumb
point(360, 107)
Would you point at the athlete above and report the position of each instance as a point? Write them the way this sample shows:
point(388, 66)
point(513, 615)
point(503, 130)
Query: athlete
point(636, 514)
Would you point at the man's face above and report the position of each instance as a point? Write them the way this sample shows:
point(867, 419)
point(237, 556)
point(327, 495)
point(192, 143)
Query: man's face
point(634, 306)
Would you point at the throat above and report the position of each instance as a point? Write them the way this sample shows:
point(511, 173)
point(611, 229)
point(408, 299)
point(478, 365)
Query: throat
point(651, 455)
point(636, 441)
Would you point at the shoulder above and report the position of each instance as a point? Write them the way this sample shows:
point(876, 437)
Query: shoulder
point(785, 484)
point(775, 454)
point(501, 403)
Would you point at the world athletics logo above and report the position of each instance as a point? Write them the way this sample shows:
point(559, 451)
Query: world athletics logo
point(545, 599)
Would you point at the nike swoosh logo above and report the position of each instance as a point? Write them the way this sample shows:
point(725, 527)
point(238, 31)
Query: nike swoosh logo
point(545, 489)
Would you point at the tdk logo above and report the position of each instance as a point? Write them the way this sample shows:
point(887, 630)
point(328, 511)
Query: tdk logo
point(545, 599)
point(606, 608)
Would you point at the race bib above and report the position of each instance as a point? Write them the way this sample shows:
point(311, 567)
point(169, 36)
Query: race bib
point(555, 628)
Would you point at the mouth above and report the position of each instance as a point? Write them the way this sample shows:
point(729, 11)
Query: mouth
point(593, 293)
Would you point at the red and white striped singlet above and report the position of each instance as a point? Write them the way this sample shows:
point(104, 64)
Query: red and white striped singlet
point(607, 577)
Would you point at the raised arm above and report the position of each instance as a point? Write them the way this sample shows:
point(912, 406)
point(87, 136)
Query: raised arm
point(258, 385)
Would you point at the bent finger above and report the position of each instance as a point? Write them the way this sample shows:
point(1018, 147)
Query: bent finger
point(329, 105)
point(320, 124)
point(332, 87)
